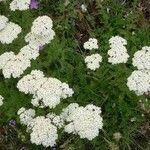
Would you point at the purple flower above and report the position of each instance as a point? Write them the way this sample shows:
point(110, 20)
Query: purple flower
point(12, 123)
point(34, 4)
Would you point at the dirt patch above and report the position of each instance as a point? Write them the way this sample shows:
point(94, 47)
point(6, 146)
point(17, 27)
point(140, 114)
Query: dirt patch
point(145, 7)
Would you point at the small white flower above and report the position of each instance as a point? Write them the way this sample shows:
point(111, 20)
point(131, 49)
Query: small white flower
point(92, 43)
point(93, 61)
point(133, 119)
point(84, 8)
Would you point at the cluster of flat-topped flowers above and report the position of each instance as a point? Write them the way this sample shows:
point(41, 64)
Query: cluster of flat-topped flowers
point(118, 52)
point(20, 5)
point(47, 92)
point(92, 43)
point(93, 61)
point(6, 28)
point(41, 33)
point(14, 65)
point(139, 80)
point(83, 121)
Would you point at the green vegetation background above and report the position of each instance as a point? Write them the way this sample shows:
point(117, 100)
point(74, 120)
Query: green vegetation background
point(64, 59)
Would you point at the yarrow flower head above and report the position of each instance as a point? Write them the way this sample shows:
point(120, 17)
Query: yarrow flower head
point(6, 28)
point(41, 31)
point(3, 22)
point(47, 92)
point(43, 132)
point(141, 58)
point(19, 5)
point(14, 65)
point(118, 52)
point(92, 43)
point(93, 61)
point(26, 116)
point(139, 82)
point(1, 100)
point(84, 121)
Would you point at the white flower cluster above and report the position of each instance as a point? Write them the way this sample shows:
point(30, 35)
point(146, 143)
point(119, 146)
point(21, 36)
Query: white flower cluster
point(14, 65)
point(139, 81)
point(26, 116)
point(41, 31)
point(93, 61)
point(118, 52)
point(91, 44)
point(20, 5)
point(47, 92)
point(84, 121)
point(43, 132)
point(141, 58)
point(1, 100)
point(8, 30)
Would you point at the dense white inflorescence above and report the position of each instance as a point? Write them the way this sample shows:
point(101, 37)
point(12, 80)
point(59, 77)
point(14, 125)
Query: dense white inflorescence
point(3, 22)
point(139, 82)
point(43, 132)
point(93, 61)
point(41, 31)
point(26, 115)
point(141, 58)
point(47, 92)
point(92, 43)
point(118, 52)
point(1, 100)
point(84, 121)
point(6, 28)
point(20, 5)
point(14, 65)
